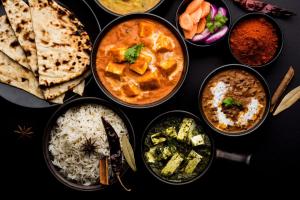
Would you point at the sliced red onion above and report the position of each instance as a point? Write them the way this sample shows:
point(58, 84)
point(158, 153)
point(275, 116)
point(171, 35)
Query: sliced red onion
point(213, 11)
point(202, 36)
point(217, 35)
point(222, 11)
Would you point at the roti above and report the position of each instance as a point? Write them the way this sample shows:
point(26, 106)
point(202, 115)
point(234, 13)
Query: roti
point(9, 43)
point(19, 16)
point(13, 74)
point(63, 46)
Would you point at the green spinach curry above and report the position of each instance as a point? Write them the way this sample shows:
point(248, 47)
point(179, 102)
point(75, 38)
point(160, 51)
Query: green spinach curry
point(177, 149)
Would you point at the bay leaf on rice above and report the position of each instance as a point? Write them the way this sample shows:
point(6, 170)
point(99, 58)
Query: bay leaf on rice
point(128, 152)
point(290, 99)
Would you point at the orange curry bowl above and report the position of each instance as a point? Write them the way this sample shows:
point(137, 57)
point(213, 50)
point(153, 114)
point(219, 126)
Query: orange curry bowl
point(140, 60)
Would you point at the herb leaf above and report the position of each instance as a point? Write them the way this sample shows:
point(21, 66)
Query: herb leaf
point(133, 53)
point(229, 101)
point(214, 24)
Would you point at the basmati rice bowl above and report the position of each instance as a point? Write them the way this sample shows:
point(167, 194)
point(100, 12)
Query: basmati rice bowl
point(68, 135)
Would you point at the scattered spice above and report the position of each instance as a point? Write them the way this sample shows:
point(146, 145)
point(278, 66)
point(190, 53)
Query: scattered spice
point(290, 99)
point(89, 147)
point(103, 171)
point(281, 88)
point(115, 150)
point(24, 132)
point(260, 6)
point(254, 41)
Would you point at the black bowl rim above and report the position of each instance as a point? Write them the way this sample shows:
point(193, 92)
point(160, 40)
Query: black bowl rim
point(62, 109)
point(119, 15)
point(274, 23)
point(253, 72)
point(207, 132)
point(87, 80)
point(203, 45)
point(141, 16)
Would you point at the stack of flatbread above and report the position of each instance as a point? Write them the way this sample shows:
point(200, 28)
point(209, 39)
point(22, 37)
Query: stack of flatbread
point(44, 49)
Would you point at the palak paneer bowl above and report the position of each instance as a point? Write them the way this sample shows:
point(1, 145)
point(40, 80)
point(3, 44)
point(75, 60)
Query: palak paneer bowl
point(176, 148)
point(234, 100)
point(140, 60)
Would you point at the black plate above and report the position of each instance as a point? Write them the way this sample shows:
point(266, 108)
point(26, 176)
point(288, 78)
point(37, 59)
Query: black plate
point(88, 18)
point(155, 18)
point(52, 122)
point(254, 73)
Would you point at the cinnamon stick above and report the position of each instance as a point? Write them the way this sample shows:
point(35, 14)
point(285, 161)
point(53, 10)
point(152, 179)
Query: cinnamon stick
point(281, 88)
point(103, 171)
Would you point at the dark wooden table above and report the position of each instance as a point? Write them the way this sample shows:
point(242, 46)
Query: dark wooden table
point(275, 146)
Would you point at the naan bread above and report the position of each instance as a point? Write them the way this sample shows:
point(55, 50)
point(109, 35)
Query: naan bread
point(19, 16)
point(13, 74)
point(79, 89)
point(63, 47)
point(9, 43)
point(58, 100)
point(57, 90)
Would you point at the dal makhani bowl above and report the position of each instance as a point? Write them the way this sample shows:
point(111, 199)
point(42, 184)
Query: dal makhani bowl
point(140, 60)
point(124, 7)
point(234, 100)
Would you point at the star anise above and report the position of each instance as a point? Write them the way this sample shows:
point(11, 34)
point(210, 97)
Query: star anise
point(24, 132)
point(89, 147)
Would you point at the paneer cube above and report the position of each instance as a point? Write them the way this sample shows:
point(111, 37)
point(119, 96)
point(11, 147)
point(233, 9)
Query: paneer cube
point(150, 81)
point(131, 89)
point(146, 29)
point(118, 54)
point(171, 132)
point(168, 66)
point(157, 138)
point(115, 70)
point(164, 43)
point(194, 159)
point(172, 165)
point(187, 125)
point(150, 155)
point(141, 64)
point(197, 140)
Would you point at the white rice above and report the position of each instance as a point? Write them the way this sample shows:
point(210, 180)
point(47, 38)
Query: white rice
point(68, 137)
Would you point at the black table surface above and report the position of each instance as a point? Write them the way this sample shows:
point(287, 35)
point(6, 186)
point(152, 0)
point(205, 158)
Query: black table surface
point(274, 147)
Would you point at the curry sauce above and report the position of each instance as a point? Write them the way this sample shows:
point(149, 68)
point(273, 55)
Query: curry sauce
point(156, 71)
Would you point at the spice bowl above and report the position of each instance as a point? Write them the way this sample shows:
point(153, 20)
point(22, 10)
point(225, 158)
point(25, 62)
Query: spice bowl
point(256, 40)
point(211, 34)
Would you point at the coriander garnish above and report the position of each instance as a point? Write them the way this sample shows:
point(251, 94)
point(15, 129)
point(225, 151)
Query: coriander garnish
point(133, 53)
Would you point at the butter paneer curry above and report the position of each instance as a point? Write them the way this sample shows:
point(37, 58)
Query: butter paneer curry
point(140, 61)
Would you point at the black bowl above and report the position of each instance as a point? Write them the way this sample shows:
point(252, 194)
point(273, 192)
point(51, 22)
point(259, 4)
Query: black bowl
point(179, 113)
point(251, 71)
point(52, 122)
point(118, 15)
point(275, 25)
point(140, 16)
point(181, 9)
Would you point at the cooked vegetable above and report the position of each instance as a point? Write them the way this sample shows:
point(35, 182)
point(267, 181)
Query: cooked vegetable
point(194, 159)
point(177, 159)
point(201, 37)
point(172, 165)
point(156, 138)
point(186, 127)
point(133, 53)
point(216, 36)
point(193, 6)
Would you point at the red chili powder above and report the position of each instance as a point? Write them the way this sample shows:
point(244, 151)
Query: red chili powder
point(254, 41)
